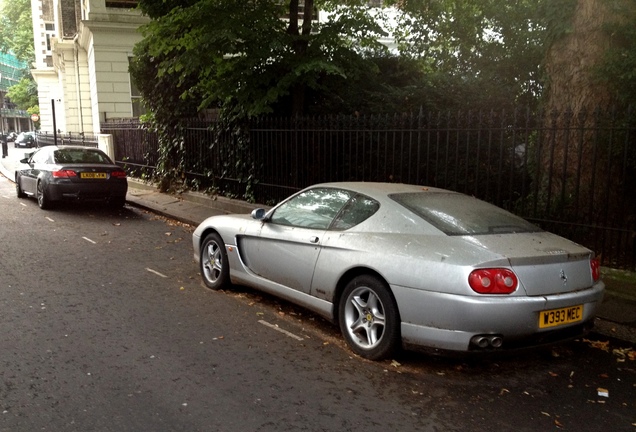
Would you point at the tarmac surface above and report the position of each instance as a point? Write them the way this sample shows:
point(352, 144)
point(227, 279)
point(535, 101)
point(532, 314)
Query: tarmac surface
point(616, 316)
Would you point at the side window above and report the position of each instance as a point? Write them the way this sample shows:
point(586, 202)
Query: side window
point(40, 157)
point(356, 211)
point(315, 208)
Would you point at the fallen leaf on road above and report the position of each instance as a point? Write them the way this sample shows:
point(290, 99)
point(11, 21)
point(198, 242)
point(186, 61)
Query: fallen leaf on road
point(624, 354)
point(553, 374)
point(546, 414)
point(558, 423)
point(395, 364)
point(598, 344)
point(503, 390)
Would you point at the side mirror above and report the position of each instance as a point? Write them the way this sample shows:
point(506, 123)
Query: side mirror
point(258, 214)
point(24, 161)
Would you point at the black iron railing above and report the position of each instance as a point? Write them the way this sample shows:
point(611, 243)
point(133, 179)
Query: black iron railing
point(82, 139)
point(574, 174)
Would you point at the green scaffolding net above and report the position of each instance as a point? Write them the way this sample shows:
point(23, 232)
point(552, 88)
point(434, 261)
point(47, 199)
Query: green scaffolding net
point(11, 71)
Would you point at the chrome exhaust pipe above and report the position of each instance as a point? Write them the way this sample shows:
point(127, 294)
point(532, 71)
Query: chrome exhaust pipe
point(480, 341)
point(495, 341)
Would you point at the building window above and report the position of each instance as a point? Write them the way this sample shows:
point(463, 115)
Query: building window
point(49, 33)
point(122, 4)
point(135, 97)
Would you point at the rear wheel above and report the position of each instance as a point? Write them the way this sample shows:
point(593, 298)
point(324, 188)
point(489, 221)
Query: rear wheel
point(215, 268)
point(18, 189)
point(117, 202)
point(43, 200)
point(369, 318)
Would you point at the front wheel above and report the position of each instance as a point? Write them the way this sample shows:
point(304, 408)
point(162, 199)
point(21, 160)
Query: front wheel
point(215, 268)
point(369, 318)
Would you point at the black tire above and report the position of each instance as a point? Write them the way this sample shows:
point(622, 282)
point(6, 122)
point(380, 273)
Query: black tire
point(213, 263)
point(369, 318)
point(18, 189)
point(43, 200)
point(117, 202)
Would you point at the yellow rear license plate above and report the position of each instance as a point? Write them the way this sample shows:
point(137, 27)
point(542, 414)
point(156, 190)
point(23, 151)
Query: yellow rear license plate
point(93, 175)
point(557, 317)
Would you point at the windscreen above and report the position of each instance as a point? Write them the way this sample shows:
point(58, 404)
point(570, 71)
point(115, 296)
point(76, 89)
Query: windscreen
point(457, 214)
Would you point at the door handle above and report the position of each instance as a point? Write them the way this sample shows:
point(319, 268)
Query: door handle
point(313, 239)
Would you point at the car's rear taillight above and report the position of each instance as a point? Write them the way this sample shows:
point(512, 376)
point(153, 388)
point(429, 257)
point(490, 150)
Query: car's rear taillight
point(493, 281)
point(63, 174)
point(595, 265)
point(118, 174)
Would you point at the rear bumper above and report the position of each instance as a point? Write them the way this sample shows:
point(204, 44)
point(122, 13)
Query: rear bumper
point(87, 192)
point(449, 322)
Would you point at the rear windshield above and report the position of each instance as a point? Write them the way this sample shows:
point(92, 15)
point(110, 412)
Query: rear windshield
point(457, 214)
point(80, 156)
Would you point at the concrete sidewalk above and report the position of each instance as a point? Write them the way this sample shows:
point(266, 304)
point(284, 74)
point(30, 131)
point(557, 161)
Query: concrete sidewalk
point(616, 316)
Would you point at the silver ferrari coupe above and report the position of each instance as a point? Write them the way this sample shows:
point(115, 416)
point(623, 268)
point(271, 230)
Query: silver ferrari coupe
point(401, 265)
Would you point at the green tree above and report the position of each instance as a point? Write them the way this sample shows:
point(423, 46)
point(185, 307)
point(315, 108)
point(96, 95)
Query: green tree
point(16, 29)
point(489, 52)
point(24, 94)
point(245, 59)
point(241, 56)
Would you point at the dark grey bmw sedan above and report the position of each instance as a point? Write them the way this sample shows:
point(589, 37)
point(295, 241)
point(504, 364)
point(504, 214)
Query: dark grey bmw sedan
point(71, 173)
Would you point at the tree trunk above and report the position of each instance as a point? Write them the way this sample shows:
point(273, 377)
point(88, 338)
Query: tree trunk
point(571, 59)
point(300, 44)
point(570, 154)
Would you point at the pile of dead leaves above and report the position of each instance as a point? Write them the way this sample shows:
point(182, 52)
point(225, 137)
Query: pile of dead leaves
point(622, 354)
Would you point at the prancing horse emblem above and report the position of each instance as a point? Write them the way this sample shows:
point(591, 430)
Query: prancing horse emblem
point(564, 277)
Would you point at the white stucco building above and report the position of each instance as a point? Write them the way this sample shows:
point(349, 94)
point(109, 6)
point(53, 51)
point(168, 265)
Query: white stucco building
point(82, 50)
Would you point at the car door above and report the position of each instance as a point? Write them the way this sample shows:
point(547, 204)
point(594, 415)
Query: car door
point(29, 175)
point(286, 246)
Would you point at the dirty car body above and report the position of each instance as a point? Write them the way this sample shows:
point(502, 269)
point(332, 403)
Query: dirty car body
point(396, 265)
point(71, 173)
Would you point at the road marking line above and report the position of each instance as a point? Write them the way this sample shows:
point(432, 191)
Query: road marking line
point(156, 272)
point(51, 220)
point(275, 327)
point(89, 240)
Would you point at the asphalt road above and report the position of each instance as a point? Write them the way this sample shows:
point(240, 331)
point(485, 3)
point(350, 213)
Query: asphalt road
point(105, 326)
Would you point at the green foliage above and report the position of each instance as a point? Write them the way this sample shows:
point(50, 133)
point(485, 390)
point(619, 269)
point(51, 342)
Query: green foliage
point(24, 94)
point(242, 57)
point(618, 68)
point(491, 49)
point(16, 29)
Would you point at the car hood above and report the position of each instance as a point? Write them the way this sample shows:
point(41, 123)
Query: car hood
point(544, 263)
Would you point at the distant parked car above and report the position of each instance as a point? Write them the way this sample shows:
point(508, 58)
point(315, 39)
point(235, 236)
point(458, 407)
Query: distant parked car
point(71, 173)
point(397, 264)
point(25, 139)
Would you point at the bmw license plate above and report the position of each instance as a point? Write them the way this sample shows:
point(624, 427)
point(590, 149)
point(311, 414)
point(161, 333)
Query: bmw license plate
point(557, 317)
point(91, 175)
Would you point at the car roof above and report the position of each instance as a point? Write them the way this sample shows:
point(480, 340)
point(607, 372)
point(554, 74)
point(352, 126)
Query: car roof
point(378, 188)
point(52, 148)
